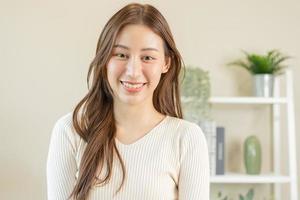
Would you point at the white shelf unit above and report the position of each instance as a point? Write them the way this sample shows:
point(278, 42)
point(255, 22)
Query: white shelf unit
point(274, 178)
point(248, 100)
point(242, 178)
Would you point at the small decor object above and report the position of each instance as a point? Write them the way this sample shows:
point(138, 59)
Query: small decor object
point(249, 195)
point(252, 155)
point(263, 68)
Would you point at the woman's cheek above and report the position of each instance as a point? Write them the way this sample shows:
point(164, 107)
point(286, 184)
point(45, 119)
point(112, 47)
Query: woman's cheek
point(153, 75)
point(115, 68)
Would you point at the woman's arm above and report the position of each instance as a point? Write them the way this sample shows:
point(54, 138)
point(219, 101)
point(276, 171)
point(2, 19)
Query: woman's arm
point(61, 164)
point(194, 166)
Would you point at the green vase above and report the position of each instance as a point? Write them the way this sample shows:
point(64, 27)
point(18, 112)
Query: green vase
point(252, 155)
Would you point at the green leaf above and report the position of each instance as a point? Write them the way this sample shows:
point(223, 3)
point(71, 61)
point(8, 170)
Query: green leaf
point(262, 64)
point(219, 194)
point(250, 194)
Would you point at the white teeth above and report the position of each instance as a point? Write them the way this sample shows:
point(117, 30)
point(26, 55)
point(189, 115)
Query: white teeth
point(135, 86)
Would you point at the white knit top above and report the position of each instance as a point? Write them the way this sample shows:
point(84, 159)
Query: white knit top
point(169, 162)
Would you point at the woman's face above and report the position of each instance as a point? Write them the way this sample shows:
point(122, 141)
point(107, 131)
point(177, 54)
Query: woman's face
point(136, 64)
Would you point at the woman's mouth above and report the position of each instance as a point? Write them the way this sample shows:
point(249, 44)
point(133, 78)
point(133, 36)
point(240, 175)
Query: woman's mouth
point(132, 87)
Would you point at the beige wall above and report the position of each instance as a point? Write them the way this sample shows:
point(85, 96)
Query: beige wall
point(46, 47)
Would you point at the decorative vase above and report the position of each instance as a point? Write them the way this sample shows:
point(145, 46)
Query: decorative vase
point(252, 155)
point(263, 85)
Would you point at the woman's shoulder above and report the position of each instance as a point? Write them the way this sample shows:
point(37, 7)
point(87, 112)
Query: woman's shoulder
point(185, 130)
point(64, 119)
point(64, 122)
point(63, 128)
point(184, 126)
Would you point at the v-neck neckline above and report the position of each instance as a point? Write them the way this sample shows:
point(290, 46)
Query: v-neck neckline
point(143, 138)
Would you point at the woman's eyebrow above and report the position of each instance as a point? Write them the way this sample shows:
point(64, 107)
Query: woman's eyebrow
point(149, 49)
point(121, 46)
point(127, 48)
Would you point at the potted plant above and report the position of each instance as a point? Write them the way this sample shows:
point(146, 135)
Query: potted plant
point(263, 68)
point(195, 93)
point(248, 196)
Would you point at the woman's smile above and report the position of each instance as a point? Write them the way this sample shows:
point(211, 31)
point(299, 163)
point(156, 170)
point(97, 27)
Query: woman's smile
point(132, 87)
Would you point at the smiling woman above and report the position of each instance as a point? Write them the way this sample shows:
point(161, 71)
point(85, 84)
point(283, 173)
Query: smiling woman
point(136, 66)
point(126, 138)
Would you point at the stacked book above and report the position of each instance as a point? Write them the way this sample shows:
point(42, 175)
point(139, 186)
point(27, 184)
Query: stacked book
point(215, 137)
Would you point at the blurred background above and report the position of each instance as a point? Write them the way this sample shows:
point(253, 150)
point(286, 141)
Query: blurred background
point(46, 48)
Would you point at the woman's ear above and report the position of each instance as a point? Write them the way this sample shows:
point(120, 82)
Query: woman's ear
point(167, 65)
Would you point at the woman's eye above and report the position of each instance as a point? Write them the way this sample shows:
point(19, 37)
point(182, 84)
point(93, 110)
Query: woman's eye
point(121, 55)
point(148, 58)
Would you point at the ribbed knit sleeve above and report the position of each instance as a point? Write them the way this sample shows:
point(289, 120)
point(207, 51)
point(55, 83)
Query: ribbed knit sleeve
point(61, 164)
point(194, 165)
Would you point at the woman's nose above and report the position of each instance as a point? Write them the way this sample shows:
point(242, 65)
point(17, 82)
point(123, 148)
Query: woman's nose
point(134, 67)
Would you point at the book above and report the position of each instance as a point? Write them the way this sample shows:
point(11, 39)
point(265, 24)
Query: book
point(220, 151)
point(209, 130)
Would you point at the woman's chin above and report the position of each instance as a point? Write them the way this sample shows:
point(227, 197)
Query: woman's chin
point(132, 100)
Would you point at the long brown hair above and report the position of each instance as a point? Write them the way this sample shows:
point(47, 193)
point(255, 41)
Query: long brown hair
point(93, 117)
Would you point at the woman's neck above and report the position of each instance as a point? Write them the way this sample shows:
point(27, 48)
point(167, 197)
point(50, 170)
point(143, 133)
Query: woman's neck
point(135, 119)
point(133, 122)
point(134, 114)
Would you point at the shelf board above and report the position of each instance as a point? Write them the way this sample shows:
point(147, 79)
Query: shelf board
point(243, 178)
point(248, 100)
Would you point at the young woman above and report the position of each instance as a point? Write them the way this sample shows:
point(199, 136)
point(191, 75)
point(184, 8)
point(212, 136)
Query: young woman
point(126, 138)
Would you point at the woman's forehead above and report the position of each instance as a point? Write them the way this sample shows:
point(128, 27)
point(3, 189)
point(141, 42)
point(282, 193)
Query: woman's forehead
point(138, 36)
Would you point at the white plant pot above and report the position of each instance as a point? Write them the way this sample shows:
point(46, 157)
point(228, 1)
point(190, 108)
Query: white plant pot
point(263, 85)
